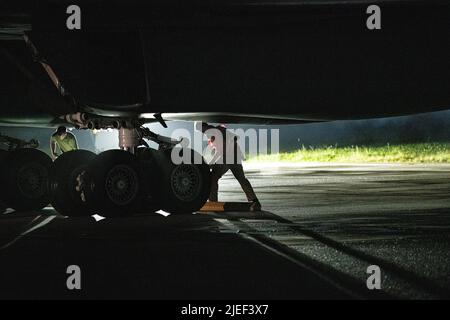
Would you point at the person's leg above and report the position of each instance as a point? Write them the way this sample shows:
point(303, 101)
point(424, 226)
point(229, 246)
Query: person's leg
point(218, 170)
point(238, 172)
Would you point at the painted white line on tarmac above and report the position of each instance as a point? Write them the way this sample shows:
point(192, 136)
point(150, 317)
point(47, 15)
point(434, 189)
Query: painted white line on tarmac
point(35, 227)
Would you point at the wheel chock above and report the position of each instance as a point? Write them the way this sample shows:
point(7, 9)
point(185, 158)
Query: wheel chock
point(212, 206)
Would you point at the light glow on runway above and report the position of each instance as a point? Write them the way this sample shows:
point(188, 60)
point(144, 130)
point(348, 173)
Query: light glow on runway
point(33, 227)
point(258, 165)
point(163, 213)
point(97, 217)
point(9, 211)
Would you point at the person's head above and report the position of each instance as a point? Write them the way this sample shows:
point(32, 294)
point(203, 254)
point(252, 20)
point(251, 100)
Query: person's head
point(203, 126)
point(61, 132)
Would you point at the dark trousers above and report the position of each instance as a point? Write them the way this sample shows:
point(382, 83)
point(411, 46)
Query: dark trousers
point(218, 170)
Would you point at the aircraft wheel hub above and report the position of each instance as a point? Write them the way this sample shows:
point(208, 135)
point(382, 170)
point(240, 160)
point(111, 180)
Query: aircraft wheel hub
point(31, 180)
point(185, 182)
point(122, 184)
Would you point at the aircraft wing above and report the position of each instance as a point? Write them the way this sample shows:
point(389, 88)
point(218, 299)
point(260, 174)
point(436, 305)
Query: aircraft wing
point(225, 61)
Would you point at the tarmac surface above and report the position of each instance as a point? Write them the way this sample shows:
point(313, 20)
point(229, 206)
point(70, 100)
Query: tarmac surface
point(321, 228)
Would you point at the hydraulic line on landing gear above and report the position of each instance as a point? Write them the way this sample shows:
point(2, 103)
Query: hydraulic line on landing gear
point(130, 139)
point(131, 131)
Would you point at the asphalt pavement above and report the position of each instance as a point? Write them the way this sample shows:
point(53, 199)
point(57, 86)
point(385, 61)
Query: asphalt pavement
point(321, 227)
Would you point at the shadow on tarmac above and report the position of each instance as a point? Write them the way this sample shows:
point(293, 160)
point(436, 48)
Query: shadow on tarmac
point(145, 257)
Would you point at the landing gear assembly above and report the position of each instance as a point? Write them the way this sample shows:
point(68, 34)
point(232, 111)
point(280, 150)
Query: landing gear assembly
point(114, 183)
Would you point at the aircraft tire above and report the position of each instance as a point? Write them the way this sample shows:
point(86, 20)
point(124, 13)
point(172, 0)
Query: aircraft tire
point(116, 187)
point(67, 173)
point(25, 179)
point(185, 187)
point(3, 154)
point(151, 177)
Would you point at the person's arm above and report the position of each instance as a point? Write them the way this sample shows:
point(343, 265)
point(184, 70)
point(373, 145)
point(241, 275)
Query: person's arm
point(75, 142)
point(53, 153)
point(218, 153)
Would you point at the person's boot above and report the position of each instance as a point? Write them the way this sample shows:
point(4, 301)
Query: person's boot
point(255, 205)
